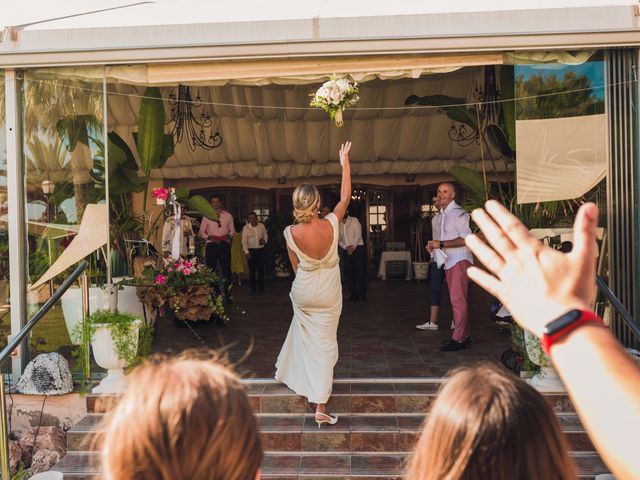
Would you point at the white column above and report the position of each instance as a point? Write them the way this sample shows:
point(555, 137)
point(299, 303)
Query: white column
point(15, 190)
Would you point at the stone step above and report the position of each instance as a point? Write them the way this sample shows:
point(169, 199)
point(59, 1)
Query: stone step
point(322, 466)
point(353, 433)
point(349, 396)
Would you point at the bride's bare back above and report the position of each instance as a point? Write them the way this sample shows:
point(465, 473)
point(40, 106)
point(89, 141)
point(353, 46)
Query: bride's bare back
point(314, 239)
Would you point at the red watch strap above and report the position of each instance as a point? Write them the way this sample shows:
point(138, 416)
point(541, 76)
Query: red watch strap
point(586, 317)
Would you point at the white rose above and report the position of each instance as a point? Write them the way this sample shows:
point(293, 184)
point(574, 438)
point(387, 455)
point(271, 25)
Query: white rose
point(343, 85)
point(335, 94)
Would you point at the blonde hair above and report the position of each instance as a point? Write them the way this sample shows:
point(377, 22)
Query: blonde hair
point(182, 417)
point(487, 423)
point(306, 200)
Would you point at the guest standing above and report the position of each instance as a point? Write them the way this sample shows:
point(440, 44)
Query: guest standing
point(354, 257)
point(254, 238)
point(436, 277)
point(218, 234)
point(453, 228)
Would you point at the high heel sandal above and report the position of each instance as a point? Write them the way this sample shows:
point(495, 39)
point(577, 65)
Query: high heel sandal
point(330, 419)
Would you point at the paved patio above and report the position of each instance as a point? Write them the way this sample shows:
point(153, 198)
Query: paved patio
point(377, 339)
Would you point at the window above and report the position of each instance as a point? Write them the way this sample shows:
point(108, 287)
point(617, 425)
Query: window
point(261, 205)
point(377, 218)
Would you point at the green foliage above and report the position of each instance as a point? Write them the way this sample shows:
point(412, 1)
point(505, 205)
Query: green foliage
point(150, 137)
point(199, 203)
point(122, 326)
point(74, 129)
point(541, 96)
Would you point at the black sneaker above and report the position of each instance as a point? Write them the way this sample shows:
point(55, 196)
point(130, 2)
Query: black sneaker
point(454, 346)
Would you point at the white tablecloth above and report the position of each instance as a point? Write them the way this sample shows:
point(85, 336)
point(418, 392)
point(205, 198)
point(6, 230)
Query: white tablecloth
point(400, 256)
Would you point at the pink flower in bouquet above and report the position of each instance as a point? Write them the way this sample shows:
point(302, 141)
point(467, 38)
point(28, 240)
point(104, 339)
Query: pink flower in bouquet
point(160, 280)
point(170, 269)
point(334, 94)
point(186, 271)
point(180, 268)
point(188, 264)
point(161, 193)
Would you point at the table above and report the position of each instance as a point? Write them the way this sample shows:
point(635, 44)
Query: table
point(404, 256)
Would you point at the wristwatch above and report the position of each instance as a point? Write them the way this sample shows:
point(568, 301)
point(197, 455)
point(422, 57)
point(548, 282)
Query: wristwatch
point(565, 324)
point(441, 244)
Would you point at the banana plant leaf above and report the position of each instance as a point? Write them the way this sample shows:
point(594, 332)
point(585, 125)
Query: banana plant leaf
point(166, 151)
point(182, 193)
point(150, 138)
point(472, 181)
point(199, 203)
point(498, 139)
point(74, 128)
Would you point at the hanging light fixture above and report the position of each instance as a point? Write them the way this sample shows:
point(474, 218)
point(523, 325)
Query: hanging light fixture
point(198, 128)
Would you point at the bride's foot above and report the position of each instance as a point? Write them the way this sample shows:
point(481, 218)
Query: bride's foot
point(325, 418)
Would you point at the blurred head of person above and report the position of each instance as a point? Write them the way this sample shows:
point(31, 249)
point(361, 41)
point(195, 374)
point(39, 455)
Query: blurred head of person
point(182, 417)
point(488, 423)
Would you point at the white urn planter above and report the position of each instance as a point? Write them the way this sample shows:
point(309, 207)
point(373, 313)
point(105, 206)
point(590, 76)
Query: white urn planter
point(104, 352)
point(72, 306)
point(420, 270)
point(547, 379)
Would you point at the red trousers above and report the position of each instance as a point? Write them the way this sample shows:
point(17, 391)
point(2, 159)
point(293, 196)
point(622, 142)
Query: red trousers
point(458, 283)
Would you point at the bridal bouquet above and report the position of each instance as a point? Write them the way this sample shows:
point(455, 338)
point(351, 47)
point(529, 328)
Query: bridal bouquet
point(334, 96)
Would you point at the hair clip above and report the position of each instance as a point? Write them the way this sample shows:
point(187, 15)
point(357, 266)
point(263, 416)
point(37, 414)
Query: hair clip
point(304, 203)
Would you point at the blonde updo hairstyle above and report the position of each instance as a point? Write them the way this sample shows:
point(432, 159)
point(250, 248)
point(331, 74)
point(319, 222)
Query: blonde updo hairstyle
point(306, 201)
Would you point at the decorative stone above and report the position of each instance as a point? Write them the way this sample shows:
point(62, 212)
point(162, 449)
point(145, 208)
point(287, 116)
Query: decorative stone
point(15, 455)
point(47, 374)
point(49, 438)
point(43, 460)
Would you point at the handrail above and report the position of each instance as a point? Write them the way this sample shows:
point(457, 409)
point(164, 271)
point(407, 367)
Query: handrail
point(618, 306)
point(13, 344)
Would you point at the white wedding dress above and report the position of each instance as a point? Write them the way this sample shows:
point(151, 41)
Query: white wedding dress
point(310, 351)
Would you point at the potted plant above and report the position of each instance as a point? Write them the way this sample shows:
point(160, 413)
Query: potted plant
point(277, 259)
point(118, 340)
point(183, 288)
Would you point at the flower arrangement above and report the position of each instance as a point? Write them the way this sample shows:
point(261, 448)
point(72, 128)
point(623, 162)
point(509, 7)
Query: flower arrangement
point(188, 288)
point(161, 195)
point(334, 96)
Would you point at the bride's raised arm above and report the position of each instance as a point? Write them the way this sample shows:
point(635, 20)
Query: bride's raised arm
point(345, 189)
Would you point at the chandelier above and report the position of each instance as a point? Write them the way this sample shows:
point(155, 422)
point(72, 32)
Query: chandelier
point(198, 128)
point(485, 112)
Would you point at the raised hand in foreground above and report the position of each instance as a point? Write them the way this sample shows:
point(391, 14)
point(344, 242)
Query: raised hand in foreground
point(536, 282)
point(537, 285)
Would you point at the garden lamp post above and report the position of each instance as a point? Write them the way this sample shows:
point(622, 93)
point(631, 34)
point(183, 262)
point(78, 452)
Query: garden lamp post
point(48, 188)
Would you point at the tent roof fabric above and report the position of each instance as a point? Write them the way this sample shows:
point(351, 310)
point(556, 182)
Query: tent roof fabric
point(108, 32)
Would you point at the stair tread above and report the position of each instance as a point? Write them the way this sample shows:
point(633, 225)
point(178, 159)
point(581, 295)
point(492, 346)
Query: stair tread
point(318, 464)
point(371, 422)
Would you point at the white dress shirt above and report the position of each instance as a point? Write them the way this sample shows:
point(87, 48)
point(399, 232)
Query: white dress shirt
point(452, 223)
point(251, 236)
point(350, 233)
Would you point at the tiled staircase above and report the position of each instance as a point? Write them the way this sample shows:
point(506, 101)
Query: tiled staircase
point(379, 423)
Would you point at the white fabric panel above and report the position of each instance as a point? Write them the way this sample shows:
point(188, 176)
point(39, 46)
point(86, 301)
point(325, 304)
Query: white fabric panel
point(294, 143)
point(560, 158)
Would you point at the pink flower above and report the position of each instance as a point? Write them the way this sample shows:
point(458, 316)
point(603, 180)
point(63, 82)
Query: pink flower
point(334, 94)
point(188, 264)
point(160, 280)
point(170, 269)
point(187, 271)
point(161, 193)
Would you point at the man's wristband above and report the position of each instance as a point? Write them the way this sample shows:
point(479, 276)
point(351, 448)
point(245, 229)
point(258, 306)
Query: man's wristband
point(562, 326)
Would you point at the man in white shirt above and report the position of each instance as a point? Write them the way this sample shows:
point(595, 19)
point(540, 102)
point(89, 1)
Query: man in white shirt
point(254, 238)
point(454, 227)
point(354, 256)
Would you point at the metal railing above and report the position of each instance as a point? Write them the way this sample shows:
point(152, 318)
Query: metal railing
point(617, 305)
point(15, 343)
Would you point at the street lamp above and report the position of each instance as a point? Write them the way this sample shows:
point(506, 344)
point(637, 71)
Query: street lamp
point(48, 187)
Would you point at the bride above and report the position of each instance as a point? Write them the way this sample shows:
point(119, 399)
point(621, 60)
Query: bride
point(310, 351)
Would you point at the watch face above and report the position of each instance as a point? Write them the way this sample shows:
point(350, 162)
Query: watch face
point(562, 322)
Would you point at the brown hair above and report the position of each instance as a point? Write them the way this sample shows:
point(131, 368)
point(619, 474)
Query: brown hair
point(306, 201)
point(487, 423)
point(182, 417)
